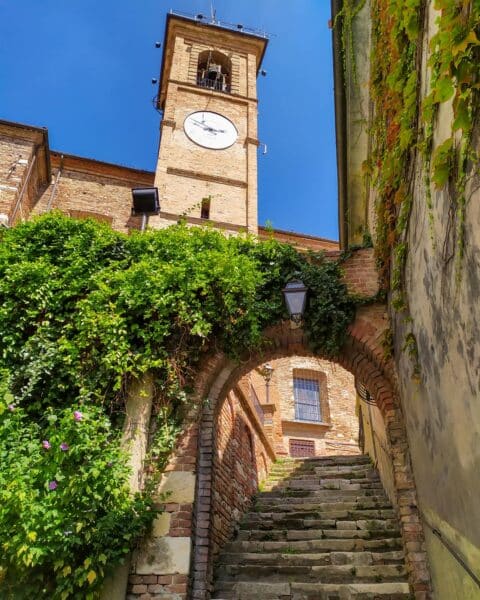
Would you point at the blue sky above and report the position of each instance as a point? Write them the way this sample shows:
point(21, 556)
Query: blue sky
point(83, 69)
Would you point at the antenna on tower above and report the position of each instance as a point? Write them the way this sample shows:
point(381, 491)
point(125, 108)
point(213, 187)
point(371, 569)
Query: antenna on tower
point(213, 12)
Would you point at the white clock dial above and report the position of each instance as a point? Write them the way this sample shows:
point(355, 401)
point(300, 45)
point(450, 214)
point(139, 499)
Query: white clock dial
point(210, 130)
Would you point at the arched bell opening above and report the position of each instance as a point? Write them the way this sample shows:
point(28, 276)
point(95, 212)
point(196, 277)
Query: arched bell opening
point(214, 71)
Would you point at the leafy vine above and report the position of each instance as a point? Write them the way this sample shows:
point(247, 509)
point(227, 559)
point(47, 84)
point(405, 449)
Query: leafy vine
point(404, 124)
point(83, 311)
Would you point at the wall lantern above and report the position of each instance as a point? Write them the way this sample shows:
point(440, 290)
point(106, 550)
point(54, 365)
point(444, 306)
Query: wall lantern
point(266, 372)
point(295, 294)
point(145, 203)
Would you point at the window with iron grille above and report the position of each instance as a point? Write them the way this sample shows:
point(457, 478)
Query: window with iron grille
point(306, 393)
point(302, 448)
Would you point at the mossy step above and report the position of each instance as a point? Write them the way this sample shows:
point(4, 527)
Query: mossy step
point(348, 495)
point(338, 485)
point(305, 573)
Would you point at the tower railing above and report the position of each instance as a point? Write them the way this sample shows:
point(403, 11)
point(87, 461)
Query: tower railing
point(199, 18)
point(213, 84)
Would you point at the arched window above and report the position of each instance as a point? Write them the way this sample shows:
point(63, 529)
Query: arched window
point(214, 71)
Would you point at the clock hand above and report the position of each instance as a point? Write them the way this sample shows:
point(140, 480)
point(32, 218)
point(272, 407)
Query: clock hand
point(207, 127)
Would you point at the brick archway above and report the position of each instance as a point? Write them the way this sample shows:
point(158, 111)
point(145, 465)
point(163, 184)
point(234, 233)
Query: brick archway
point(362, 355)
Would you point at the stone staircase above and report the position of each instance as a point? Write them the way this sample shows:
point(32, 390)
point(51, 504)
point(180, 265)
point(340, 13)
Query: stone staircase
point(321, 528)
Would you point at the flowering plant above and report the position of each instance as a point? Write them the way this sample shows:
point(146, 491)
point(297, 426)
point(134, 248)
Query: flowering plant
point(65, 517)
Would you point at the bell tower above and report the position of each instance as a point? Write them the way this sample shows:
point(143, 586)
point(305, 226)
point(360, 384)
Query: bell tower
point(207, 161)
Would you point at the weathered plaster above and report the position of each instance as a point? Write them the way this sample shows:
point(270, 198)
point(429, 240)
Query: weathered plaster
point(165, 555)
point(179, 486)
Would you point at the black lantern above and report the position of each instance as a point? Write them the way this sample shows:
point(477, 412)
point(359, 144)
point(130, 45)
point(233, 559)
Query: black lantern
point(295, 294)
point(145, 203)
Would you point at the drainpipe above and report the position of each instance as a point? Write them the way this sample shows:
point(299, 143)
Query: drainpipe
point(340, 123)
point(24, 186)
point(54, 190)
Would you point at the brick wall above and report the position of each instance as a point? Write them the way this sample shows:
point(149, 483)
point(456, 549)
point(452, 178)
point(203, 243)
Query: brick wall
point(240, 462)
point(93, 189)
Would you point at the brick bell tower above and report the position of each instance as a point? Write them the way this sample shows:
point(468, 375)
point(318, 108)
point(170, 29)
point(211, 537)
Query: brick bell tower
point(207, 162)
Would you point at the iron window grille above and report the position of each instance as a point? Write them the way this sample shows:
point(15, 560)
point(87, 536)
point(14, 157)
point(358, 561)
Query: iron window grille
point(306, 393)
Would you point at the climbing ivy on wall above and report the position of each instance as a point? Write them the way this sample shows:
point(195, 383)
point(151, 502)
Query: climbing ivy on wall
point(404, 122)
point(455, 78)
point(85, 310)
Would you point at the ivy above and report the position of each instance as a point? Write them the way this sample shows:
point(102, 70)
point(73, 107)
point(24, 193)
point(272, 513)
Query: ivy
point(403, 125)
point(84, 311)
point(455, 54)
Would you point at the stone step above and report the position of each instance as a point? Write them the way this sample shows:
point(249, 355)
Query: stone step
point(293, 558)
point(268, 524)
point(315, 534)
point(309, 546)
point(316, 591)
point(316, 474)
point(361, 497)
point(337, 459)
point(314, 510)
point(329, 510)
point(322, 529)
point(328, 483)
point(320, 463)
point(307, 573)
point(318, 491)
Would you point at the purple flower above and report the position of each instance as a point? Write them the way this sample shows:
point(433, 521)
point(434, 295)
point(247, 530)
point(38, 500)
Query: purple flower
point(11, 407)
point(63, 447)
point(52, 485)
point(77, 415)
point(46, 444)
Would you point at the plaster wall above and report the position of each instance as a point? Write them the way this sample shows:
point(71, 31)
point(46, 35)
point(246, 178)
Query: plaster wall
point(441, 406)
point(376, 445)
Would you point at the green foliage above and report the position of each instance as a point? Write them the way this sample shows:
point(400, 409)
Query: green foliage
point(84, 311)
point(66, 514)
point(442, 163)
point(454, 59)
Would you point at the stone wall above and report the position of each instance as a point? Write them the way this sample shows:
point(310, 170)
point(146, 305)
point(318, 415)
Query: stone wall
point(161, 566)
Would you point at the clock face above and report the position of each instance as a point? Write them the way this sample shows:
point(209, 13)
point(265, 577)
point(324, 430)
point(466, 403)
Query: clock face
point(210, 130)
